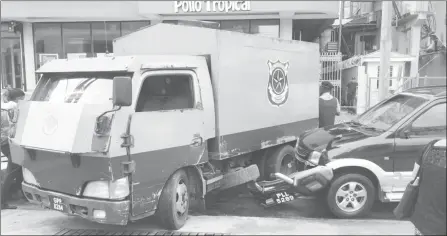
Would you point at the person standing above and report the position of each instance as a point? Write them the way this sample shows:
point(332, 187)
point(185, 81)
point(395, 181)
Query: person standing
point(352, 92)
point(13, 171)
point(329, 106)
point(429, 214)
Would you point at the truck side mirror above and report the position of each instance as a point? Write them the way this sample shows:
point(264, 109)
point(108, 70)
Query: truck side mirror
point(122, 91)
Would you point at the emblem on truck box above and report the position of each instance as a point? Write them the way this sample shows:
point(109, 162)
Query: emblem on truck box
point(278, 86)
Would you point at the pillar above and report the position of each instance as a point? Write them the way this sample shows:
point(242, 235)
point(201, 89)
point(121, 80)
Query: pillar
point(414, 49)
point(362, 90)
point(286, 25)
point(28, 55)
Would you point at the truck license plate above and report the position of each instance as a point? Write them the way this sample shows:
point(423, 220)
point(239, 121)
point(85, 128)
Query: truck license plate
point(282, 197)
point(57, 204)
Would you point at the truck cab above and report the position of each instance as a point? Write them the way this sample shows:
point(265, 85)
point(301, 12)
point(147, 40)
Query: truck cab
point(73, 121)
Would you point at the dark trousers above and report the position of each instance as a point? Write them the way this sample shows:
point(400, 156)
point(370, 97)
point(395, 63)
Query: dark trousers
point(13, 175)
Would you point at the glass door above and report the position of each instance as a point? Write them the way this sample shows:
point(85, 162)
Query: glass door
point(11, 62)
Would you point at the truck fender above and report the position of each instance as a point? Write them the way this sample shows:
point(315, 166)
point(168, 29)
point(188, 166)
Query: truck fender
point(197, 185)
point(382, 175)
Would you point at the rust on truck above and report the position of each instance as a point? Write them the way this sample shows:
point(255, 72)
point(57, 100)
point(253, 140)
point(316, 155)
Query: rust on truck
point(157, 113)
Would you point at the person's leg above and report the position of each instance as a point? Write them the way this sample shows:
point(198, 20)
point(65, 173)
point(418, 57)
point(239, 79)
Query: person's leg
point(8, 179)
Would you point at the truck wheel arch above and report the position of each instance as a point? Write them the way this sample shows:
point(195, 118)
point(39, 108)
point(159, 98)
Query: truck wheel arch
point(197, 184)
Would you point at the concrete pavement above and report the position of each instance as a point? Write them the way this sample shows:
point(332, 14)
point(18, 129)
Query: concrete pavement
point(30, 219)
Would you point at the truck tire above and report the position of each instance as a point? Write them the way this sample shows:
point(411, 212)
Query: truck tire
point(173, 205)
point(282, 161)
point(351, 196)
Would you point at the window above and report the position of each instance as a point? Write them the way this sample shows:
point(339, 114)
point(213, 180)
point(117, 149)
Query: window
point(85, 88)
point(77, 40)
point(242, 26)
point(47, 42)
point(103, 34)
point(385, 115)
point(269, 28)
point(435, 117)
point(390, 75)
point(166, 92)
point(132, 26)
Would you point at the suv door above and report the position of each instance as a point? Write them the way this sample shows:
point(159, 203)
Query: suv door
point(410, 141)
point(167, 128)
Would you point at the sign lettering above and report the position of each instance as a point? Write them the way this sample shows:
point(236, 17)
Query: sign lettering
point(211, 6)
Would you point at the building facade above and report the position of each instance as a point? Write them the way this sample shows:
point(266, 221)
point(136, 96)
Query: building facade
point(35, 32)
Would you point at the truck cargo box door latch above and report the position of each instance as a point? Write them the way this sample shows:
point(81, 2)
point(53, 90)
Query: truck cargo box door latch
point(197, 141)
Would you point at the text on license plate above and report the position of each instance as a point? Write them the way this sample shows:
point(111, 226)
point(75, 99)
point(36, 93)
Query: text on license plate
point(57, 204)
point(282, 197)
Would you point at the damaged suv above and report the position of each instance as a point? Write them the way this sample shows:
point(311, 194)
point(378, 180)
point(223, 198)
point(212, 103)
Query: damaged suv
point(373, 155)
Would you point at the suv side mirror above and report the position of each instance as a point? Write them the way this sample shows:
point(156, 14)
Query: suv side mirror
point(122, 91)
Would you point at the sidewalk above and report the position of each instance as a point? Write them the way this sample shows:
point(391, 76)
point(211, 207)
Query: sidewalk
point(30, 219)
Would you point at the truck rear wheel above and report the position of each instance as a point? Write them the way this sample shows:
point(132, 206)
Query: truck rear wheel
point(173, 205)
point(282, 161)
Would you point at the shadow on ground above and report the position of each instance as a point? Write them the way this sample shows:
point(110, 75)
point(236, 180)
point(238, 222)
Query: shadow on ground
point(239, 202)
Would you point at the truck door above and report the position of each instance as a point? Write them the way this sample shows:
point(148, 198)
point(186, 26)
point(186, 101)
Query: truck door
point(168, 131)
point(427, 126)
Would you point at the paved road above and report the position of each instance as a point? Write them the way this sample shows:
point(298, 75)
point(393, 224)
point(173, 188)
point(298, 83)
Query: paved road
point(32, 220)
point(239, 202)
point(234, 211)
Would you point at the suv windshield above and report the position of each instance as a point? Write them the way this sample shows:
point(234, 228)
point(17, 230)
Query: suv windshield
point(387, 114)
point(85, 88)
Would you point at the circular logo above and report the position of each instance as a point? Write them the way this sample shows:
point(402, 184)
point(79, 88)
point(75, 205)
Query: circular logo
point(279, 81)
point(50, 125)
point(278, 85)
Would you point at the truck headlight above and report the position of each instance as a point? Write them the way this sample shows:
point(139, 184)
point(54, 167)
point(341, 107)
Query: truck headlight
point(314, 157)
point(28, 177)
point(116, 190)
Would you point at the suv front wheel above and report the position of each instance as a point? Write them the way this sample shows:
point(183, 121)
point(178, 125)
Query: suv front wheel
point(351, 195)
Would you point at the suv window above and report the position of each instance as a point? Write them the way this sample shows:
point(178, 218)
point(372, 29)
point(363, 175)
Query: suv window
point(166, 92)
point(433, 118)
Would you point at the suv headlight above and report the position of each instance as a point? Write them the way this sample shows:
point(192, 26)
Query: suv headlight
point(116, 190)
point(314, 157)
point(28, 177)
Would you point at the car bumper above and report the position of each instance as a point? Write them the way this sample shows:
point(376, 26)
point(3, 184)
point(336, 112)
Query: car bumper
point(101, 211)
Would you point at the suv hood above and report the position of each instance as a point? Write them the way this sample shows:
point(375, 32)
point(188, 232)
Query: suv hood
point(317, 139)
point(67, 128)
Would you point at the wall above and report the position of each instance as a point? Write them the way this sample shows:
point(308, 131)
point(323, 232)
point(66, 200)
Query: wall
point(303, 9)
point(66, 10)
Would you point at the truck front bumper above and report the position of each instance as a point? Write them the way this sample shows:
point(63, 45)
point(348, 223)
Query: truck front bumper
point(101, 211)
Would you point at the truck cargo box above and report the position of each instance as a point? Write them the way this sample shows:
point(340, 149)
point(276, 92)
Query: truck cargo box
point(265, 89)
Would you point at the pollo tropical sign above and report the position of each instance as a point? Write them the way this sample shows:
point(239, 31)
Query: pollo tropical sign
point(211, 6)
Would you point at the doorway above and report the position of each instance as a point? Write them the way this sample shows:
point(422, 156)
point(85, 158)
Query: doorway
point(11, 63)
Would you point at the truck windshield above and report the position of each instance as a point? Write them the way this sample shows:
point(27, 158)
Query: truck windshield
point(387, 114)
point(85, 88)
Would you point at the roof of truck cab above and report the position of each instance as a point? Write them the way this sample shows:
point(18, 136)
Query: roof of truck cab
point(119, 63)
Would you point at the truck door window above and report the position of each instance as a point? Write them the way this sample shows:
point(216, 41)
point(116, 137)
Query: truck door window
point(432, 120)
point(166, 92)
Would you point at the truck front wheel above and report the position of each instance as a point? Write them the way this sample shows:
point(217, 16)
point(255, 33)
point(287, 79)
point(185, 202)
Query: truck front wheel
point(351, 195)
point(173, 205)
point(282, 161)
